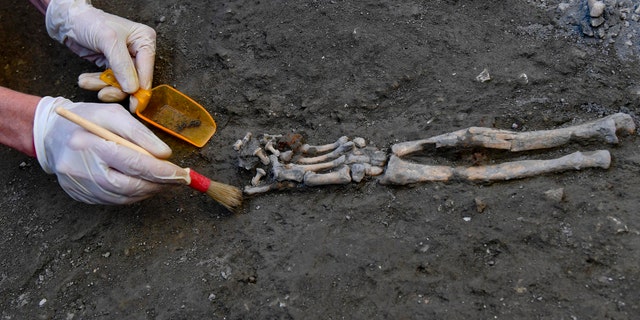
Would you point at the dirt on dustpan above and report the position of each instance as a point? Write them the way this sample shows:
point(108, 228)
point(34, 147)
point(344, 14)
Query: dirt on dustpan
point(559, 246)
point(171, 111)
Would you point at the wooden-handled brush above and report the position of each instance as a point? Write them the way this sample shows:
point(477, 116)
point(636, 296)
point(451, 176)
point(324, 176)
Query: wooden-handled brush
point(228, 196)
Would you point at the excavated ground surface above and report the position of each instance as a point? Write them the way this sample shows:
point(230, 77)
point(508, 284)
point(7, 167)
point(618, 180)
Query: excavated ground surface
point(388, 71)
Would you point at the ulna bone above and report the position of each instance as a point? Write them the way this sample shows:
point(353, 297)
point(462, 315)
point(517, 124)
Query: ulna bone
point(402, 172)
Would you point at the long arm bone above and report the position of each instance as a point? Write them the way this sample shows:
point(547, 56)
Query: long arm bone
point(528, 168)
point(602, 129)
point(402, 172)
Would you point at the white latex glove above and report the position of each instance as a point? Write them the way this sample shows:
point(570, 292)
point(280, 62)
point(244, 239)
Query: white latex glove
point(110, 41)
point(93, 170)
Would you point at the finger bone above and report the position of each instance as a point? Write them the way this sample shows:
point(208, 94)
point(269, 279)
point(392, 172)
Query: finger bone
point(259, 174)
point(269, 147)
point(260, 153)
point(308, 149)
point(340, 176)
point(340, 150)
point(240, 143)
point(316, 167)
point(251, 190)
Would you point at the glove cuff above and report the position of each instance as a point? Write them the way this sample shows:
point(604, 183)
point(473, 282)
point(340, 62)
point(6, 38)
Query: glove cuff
point(44, 112)
point(57, 17)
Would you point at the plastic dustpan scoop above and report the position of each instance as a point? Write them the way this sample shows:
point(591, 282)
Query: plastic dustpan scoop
point(171, 111)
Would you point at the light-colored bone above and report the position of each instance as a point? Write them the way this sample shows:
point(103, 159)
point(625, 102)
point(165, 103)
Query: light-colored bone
point(402, 172)
point(259, 174)
point(339, 176)
point(359, 142)
point(286, 156)
point(311, 150)
point(269, 147)
point(367, 155)
point(270, 137)
point(528, 168)
point(360, 170)
point(251, 190)
point(282, 173)
point(340, 150)
point(602, 129)
point(316, 167)
point(260, 153)
point(240, 143)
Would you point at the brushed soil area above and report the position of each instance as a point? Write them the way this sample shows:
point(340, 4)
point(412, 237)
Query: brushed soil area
point(387, 71)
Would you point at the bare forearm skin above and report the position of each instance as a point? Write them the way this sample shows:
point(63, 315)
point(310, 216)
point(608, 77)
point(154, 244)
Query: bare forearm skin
point(17, 112)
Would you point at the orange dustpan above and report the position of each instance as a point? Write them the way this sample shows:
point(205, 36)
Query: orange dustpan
point(171, 111)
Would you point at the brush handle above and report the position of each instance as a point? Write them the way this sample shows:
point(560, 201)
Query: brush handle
point(99, 131)
point(110, 136)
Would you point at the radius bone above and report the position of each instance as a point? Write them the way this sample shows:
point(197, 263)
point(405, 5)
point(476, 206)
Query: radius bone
point(528, 168)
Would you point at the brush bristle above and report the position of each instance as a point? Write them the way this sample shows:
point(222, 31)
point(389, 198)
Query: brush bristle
point(226, 195)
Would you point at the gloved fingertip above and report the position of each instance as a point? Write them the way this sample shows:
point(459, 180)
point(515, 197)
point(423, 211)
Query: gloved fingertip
point(154, 145)
point(111, 94)
point(133, 104)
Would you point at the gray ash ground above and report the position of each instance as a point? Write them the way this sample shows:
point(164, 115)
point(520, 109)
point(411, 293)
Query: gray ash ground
point(388, 71)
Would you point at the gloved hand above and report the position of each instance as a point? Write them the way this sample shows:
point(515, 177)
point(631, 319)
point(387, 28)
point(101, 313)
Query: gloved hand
point(110, 41)
point(93, 170)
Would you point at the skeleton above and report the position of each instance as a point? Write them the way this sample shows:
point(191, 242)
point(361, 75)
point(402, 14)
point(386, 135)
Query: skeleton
point(346, 160)
point(402, 172)
point(312, 165)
